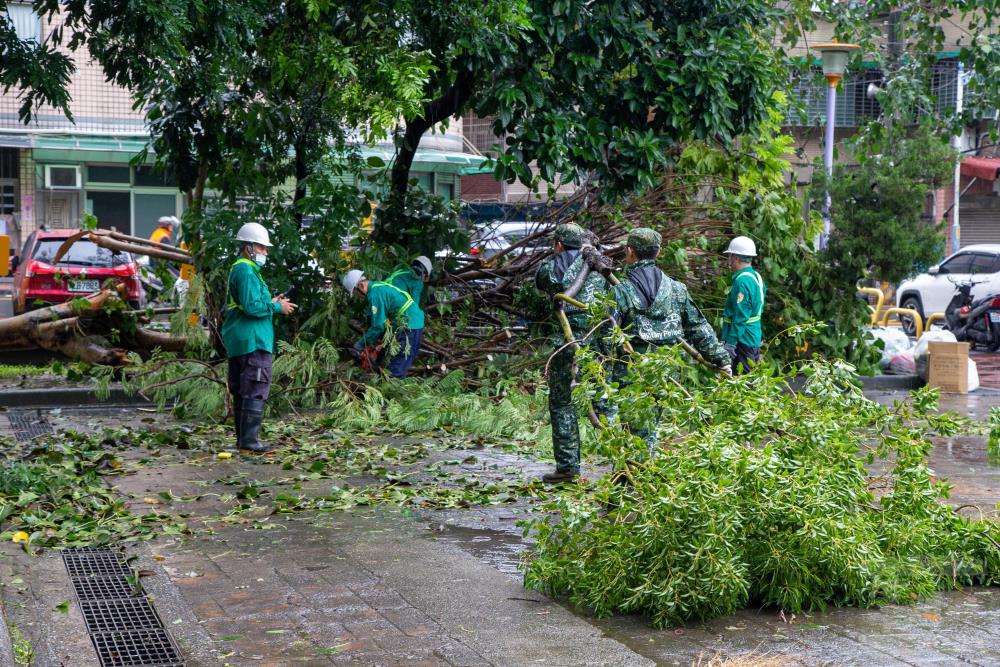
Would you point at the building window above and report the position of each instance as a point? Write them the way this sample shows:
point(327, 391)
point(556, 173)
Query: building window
point(148, 209)
point(152, 177)
point(27, 25)
point(112, 209)
point(446, 191)
point(108, 174)
point(425, 181)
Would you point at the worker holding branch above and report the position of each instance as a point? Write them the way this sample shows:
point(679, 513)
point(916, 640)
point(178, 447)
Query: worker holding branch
point(387, 305)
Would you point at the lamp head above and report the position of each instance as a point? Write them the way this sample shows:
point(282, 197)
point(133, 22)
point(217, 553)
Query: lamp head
point(835, 56)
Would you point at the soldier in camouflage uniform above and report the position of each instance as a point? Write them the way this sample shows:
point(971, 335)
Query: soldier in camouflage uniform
point(655, 310)
point(554, 277)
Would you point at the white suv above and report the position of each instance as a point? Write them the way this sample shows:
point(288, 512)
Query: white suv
point(931, 292)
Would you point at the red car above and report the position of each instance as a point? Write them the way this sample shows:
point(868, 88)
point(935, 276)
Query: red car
point(83, 269)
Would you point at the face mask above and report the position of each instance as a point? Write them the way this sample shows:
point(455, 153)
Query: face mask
point(260, 259)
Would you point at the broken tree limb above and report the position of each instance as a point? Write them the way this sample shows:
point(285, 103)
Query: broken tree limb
point(12, 327)
point(123, 242)
point(151, 340)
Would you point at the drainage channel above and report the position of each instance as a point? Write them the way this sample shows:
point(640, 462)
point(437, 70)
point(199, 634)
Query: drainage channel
point(123, 625)
point(28, 424)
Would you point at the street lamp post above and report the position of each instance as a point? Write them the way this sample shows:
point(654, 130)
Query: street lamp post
point(835, 57)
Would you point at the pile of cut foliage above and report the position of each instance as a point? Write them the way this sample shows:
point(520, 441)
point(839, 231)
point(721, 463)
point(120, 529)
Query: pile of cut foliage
point(761, 494)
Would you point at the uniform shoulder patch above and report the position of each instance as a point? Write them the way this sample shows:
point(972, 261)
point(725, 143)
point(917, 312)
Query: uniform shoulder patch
point(374, 310)
point(739, 298)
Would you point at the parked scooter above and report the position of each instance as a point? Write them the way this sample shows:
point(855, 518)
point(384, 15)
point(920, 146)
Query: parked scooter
point(976, 321)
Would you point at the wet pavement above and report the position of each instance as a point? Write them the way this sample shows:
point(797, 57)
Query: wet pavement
point(412, 586)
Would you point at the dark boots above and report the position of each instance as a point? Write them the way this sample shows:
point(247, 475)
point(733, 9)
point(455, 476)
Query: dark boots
point(250, 419)
point(238, 420)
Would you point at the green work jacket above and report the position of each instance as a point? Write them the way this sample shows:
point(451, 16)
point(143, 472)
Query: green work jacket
point(744, 308)
point(248, 326)
point(389, 303)
point(656, 310)
point(407, 280)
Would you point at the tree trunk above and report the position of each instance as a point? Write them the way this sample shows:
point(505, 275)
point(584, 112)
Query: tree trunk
point(450, 103)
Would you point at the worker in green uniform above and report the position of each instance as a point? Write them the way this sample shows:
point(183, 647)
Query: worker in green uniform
point(248, 334)
point(655, 311)
point(741, 331)
point(553, 277)
point(412, 280)
point(387, 304)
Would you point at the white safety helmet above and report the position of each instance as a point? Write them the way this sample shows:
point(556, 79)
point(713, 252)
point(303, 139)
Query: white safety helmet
point(741, 246)
point(351, 280)
point(254, 232)
point(168, 220)
point(423, 263)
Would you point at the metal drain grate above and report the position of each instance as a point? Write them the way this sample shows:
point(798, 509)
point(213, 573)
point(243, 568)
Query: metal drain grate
point(28, 425)
point(145, 648)
point(97, 551)
point(104, 588)
point(120, 615)
point(95, 564)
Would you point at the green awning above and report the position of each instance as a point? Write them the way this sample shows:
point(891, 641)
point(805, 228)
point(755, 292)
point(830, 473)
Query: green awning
point(76, 147)
point(446, 162)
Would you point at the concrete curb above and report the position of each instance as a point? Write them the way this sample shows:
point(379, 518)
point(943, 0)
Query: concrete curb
point(891, 382)
point(6, 649)
point(66, 397)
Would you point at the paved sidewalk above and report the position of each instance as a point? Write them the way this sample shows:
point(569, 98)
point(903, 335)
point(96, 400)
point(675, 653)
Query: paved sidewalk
point(409, 586)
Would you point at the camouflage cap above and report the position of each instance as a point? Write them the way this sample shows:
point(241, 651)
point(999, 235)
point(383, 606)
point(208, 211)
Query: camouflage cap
point(569, 234)
point(644, 238)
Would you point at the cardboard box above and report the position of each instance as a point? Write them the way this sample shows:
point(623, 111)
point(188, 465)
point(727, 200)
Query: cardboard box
point(948, 367)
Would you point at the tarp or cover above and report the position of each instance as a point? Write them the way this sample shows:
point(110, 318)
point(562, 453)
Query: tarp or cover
point(983, 168)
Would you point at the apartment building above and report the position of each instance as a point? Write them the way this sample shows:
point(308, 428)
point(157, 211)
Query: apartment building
point(54, 170)
point(979, 187)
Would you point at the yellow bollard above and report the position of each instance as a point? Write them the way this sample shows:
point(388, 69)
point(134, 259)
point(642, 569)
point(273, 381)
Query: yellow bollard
point(934, 317)
point(918, 323)
point(880, 301)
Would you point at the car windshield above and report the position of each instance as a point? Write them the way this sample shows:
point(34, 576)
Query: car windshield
point(81, 253)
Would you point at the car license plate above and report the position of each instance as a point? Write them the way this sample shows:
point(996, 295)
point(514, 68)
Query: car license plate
point(994, 316)
point(91, 286)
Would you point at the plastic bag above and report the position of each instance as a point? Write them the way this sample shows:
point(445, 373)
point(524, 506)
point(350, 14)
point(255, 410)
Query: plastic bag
point(973, 376)
point(920, 351)
point(895, 341)
point(903, 364)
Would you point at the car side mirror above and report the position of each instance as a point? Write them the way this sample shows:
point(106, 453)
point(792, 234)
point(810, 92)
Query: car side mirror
point(934, 270)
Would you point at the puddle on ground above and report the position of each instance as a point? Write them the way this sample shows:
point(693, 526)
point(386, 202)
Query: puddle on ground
point(500, 550)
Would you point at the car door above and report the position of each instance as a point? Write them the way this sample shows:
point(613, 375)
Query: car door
point(955, 269)
point(983, 270)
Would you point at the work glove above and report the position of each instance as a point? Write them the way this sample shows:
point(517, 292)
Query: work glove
point(727, 370)
point(356, 350)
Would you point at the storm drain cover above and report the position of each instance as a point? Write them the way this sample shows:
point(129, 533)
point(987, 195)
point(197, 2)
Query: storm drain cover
point(85, 565)
point(104, 588)
point(122, 623)
point(119, 615)
point(139, 648)
point(28, 425)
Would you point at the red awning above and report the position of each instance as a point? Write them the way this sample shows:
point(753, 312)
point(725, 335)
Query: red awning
point(986, 168)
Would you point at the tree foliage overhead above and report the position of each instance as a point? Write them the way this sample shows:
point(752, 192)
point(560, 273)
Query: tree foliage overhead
point(38, 73)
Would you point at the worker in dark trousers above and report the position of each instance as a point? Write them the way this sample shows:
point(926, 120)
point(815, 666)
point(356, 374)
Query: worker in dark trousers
point(741, 330)
point(248, 334)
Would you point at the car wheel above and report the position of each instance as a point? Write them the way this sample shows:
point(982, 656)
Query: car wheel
point(909, 326)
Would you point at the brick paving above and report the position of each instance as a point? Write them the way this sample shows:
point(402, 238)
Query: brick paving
point(391, 587)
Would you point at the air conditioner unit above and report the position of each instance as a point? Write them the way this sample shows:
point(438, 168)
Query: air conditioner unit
point(62, 177)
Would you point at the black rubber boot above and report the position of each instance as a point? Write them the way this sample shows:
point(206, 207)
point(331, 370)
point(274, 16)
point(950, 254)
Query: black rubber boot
point(253, 415)
point(561, 477)
point(238, 420)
